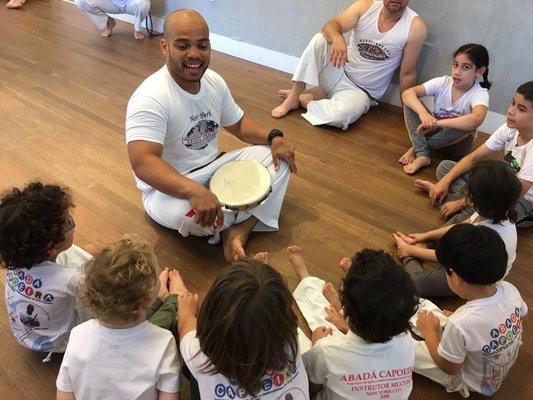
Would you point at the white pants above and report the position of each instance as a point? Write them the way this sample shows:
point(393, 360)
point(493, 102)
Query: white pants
point(97, 11)
point(171, 212)
point(424, 364)
point(312, 303)
point(345, 102)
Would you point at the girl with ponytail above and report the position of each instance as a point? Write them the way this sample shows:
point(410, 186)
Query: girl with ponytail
point(461, 103)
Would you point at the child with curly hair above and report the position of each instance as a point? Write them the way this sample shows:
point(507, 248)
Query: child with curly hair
point(120, 354)
point(43, 267)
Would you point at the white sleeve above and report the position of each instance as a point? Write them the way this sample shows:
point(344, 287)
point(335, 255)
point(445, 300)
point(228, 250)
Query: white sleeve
point(497, 140)
point(63, 382)
point(146, 119)
point(526, 169)
point(169, 369)
point(433, 86)
point(231, 113)
point(452, 345)
point(71, 288)
point(480, 98)
point(315, 364)
point(191, 353)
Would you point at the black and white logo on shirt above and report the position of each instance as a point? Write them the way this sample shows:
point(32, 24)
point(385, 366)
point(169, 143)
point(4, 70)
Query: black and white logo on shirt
point(201, 134)
point(372, 50)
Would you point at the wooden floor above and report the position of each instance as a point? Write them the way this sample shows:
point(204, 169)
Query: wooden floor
point(63, 93)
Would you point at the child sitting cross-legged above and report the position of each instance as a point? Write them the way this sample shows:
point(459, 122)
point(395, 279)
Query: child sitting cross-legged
point(361, 342)
point(121, 355)
point(473, 348)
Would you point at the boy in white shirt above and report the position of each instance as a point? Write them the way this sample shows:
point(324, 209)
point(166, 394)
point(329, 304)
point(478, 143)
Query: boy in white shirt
point(480, 340)
point(514, 137)
point(120, 355)
point(366, 353)
point(44, 268)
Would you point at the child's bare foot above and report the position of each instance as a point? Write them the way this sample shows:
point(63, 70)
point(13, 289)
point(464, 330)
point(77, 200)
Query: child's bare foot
point(424, 186)
point(261, 256)
point(418, 163)
point(233, 245)
point(284, 108)
point(402, 248)
point(163, 289)
point(345, 263)
point(109, 27)
point(408, 157)
point(297, 261)
point(15, 3)
point(175, 283)
point(138, 35)
point(332, 296)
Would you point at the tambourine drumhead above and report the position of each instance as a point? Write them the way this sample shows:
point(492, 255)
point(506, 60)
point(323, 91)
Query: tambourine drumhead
point(241, 185)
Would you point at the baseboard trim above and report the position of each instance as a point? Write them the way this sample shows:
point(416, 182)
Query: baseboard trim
point(287, 63)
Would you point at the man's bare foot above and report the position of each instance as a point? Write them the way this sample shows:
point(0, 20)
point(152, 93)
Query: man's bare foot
point(345, 263)
point(418, 163)
point(332, 296)
point(408, 157)
point(163, 289)
point(283, 109)
point(424, 186)
point(15, 3)
point(261, 256)
point(138, 35)
point(297, 261)
point(284, 93)
point(305, 99)
point(109, 27)
point(175, 283)
point(234, 238)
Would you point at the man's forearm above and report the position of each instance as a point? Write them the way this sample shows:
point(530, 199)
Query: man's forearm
point(407, 80)
point(251, 132)
point(332, 30)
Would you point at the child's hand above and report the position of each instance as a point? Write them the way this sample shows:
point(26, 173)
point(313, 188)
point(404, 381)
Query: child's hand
point(320, 332)
point(337, 319)
point(437, 192)
point(422, 130)
point(451, 207)
point(428, 121)
point(447, 313)
point(187, 305)
point(402, 248)
point(412, 238)
point(427, 323)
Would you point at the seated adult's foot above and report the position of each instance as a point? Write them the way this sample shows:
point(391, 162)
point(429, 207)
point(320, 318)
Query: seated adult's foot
point(284, 93)
point(297, 261)
point(331, 295)
point(15, 3)
point(163, 289)
point(138, 35)
point(261, 256)
point(424, 186)
point(109, 27)
point(283, 109)
point(408, 157)
point(233, 245)
point(175, 283)
point(418, 163)
point(305, 99)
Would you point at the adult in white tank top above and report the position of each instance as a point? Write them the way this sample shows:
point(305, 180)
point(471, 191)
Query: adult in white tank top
point(348, 80)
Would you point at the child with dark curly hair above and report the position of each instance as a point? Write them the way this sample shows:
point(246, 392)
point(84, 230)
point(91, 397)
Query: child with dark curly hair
point(121, 355)
point(473, 348)
point(493, 190)
point(361, 341)
point(44, 268)
point(243, 344)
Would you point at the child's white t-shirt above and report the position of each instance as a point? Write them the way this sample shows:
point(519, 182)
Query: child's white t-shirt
point(278, 384)
point(507, 231)
point(132, 363)
point(484, 335)
point(41, 304)
point(441, 90)
point(518, 158)
point(350, 368)
point(187, 125)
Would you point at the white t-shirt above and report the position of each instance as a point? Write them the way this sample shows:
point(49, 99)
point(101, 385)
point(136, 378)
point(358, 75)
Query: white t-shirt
point(519, 158)
point(373, 56)
point(187, 125)
point(441, 90)
point(507, 231)
point(41, 304)
point(350, 368)
point(132, 363)
point(278, 384)
point(485, 335)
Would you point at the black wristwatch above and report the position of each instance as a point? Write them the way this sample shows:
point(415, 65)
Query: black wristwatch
point(274, 133)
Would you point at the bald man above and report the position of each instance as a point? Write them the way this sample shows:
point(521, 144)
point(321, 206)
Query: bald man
point(172, 127)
